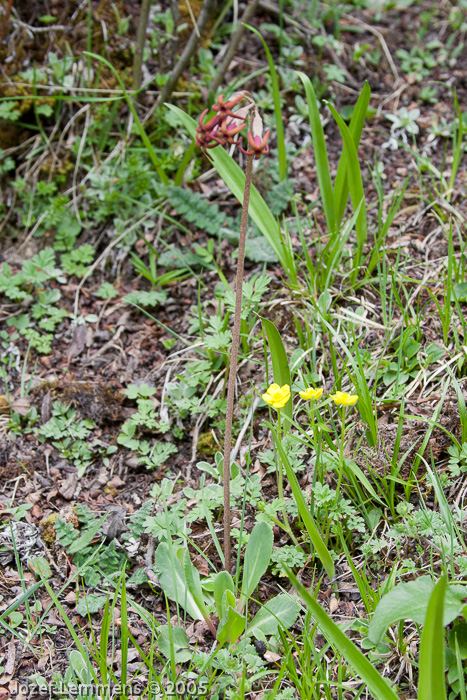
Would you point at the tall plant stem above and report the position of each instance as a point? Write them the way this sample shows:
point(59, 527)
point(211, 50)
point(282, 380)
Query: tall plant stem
point(234, 359)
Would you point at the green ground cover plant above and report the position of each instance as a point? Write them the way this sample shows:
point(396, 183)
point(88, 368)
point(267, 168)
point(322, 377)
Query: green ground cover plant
point(233, 425)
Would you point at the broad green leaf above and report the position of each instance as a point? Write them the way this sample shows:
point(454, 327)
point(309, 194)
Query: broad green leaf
point(231, 626)
point(194, 583)
point(90, 603)
point(280, 366)
point(173, 582)
point(409, 601)
point(234, 178)
point(223, 582)
point(282, 609)
point(459, 632)
point(341, 183)
point(460, 291)
point(179, 649)
point(257, 556)
point(351, 653)
point(321, 156)
point(311, 528)
point(40, 567)
point(79, 666)
point(86, 538)
point(431, 683)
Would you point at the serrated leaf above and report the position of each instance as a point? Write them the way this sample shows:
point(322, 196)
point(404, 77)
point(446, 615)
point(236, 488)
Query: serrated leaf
point(259, 250)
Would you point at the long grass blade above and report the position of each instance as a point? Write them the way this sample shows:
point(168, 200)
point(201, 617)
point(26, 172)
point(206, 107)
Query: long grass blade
point(357, 194)
point(431, 683)
point(351, 653)
point(321, 155)
point(280, 366)
point(311, 527)
point(281, 152)
point(341, 183)
point(131, 107)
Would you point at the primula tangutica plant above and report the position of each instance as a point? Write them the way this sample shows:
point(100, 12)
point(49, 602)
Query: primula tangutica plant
point(220, 130)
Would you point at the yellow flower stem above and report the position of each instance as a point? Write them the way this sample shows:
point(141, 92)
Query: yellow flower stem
point(316, 437)
point(280, 487)
point(341, 460)
point(341, 471)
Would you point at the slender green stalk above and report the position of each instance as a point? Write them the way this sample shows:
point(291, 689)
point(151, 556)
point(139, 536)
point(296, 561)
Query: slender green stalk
point(341, 455)
point(234, 360)
point(280, 486)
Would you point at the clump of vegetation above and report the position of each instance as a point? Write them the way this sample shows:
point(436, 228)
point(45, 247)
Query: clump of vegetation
point(272, 283)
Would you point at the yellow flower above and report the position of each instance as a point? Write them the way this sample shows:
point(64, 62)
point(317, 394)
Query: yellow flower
point(277, 396)
point(311, 393)
point(341, 398)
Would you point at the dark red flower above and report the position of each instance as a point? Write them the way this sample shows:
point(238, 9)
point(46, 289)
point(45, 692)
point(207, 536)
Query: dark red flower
point(224, 109)
point(223, 127)
point(258, 146)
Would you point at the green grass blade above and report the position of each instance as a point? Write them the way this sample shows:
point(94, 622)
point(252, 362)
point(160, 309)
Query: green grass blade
point(234, 178)
point(139, 125)
point(124, 636)
point(321, 155)
point(431, 683)
point(280, 366)
point(22, 599)
point(458, 147)
point(281, 152)
point(70, 626)
point(104, 642)
point(341, 184)
point(354, 178)
point(369, 675)
point(357, 375)
point(315, 535)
